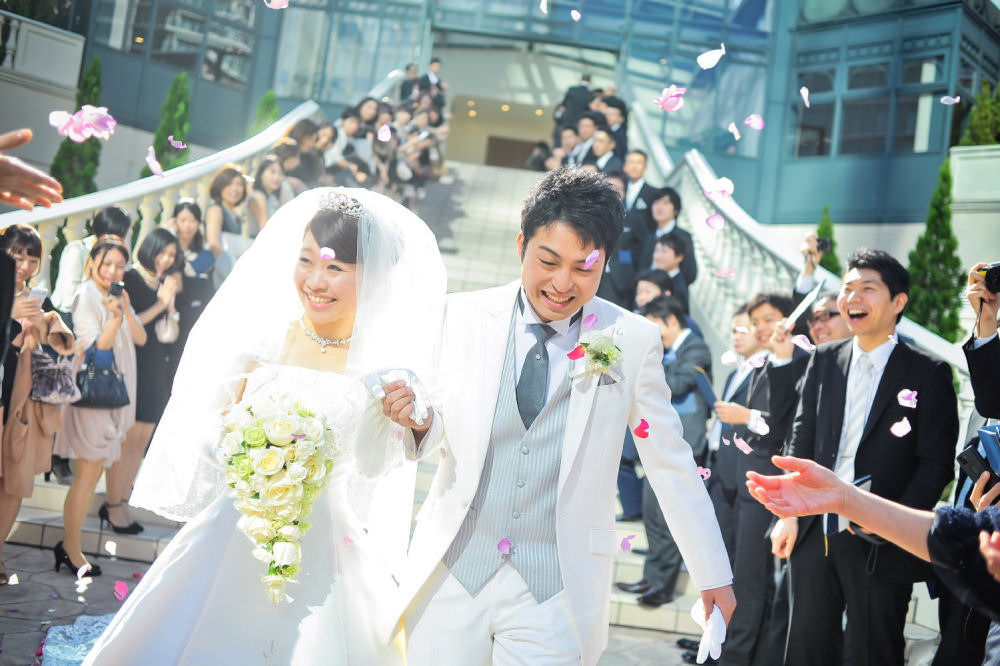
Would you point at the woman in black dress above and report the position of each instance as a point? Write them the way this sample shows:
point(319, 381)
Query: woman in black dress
point(152, 284)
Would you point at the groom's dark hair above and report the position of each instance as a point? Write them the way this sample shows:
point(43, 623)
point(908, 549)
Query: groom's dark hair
point(581, 198)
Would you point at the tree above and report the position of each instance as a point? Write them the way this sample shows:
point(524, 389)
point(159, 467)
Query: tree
point(984, 119)
point(175, 121)
point(267, 113)
point(824, 229)
point(935, 268)
point(75, 164)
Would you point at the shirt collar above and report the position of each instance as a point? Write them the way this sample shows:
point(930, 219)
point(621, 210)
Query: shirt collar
point(667, 229)
point(680, 339)
point(635, 184)
point(526, 316)
point(878, 356)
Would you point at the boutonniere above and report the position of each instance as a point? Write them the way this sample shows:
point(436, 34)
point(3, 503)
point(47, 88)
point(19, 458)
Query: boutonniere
point(640, 204)
point(597, 354)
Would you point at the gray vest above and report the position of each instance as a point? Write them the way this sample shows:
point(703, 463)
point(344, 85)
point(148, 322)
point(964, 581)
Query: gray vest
point(517, 494)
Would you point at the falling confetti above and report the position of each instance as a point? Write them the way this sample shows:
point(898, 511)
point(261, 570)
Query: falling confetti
point(735, 131)
point(575, 14)
point(180, 145)
point(642, 430)
point(725, 272)
point(907, 398)
point(384, 133)
point(715, 221)
point(804, 92)
point(742, 445)
point(53, 595)
point(13, 580)
point(901, 428)
point(327, 253)
point(590, 321)
point(543, 6)
point(950, 101)
point(802, 342)
point(710, 59)
point(82, 571)
point(89, 121)
point(671, 99)
point(577, 353)
point(111, 547)
point(757, 361)
point(723, 188)
point(276, 4)
point(729, 357)
point(754, 121)
point(121, 590)
point(137, 575)
point(591, 259)
point(151, 162)
point(348, 541)
point(627, 543)
point(504, 546)
point(705, 473)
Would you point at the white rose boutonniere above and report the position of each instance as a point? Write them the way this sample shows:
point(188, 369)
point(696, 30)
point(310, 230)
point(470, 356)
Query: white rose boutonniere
point(597, 354)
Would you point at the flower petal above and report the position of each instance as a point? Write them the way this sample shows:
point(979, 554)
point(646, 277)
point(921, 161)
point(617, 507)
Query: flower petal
point(327, 253)
point(735, 131)
point(710, 59)
point(589, 321)
point(804, 92)
point(151, 162)
point(58, 119)
point(715, 221)
point(723, 188)
point(82, 571)
point(725, 272)
point(950, 101)
point(901, 428)
point(705, 473)
point(121, 590)
point(591, 259)
point(111, 547)
point(907, 398)
point(802, 342)
point(754, 121)
point(504, 546)
point(729, 357)
point(577, 353)
point(575, 14)
point(642, 430)
point(384, 133)
point(742, 445)
point(543, 6)
point(627, 543)
point(757, 361)
point(276, 4)
point(180, 145)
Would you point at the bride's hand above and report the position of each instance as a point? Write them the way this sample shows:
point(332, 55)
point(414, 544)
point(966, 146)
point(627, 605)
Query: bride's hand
point(398, 406)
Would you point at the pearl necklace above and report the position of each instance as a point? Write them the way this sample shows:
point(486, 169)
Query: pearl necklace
point(324, 342)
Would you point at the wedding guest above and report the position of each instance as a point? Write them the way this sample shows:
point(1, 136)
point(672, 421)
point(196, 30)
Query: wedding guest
point(28, 425)
point(224, 222)
point(287, 152)
point(588, 123)
point(112, 222)
point(654, 283)
point(665, 208)
point(108, 327)
point(560, 154)
point(668, 255)
point(270, 191)
point(638, 193)
point(197, 287)
point(603, 151)
point(825, 322)
point(152, 285)
point(410, 87)
point(574, 103)
point(616, 116)
point(983, 349)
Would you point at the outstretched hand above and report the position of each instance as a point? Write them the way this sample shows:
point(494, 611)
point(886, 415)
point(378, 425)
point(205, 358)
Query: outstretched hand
point(808, 489)
point(22, 185)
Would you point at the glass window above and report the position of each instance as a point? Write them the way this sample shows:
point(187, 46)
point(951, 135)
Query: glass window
point(228, 56)
point(864, 126)
point(303, 35)
point(966, 75)
point(923, 70)
point(819, 81)
point(178, 36)
point(918, 123)
point(813, 130)
point(239, 11)
point(868, 76)
point(113, 23)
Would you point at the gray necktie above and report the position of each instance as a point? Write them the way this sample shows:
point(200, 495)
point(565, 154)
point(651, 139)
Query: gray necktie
point(534, 378)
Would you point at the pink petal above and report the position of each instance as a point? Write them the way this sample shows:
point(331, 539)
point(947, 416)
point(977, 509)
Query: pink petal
point(154, 166)
point(504, 546)
point(121, 590)
point(591, 259)
point(589, 321)
point(577, 353)
point(82, 571)
point(705, 473)
point(725, 272)
point(543, 6)
point(715, 221)
point(729, 357)
point(59, 119)
point(327, 253)
point(734, 131)
point(627, 543)
point(276, 4)
point(757, 361)
point(180, 145)
point(907, 398)
point(642, 430)
point(710, 59)
point(723, 188)
point(754, 121)
point(671, 99)
point(901, 428)
point(575, 14)
point(349, 541)
point(950, 101)
point(802, 342)
point(137, 575)
point(742, 445)
point(804, 92)
point(384, 133)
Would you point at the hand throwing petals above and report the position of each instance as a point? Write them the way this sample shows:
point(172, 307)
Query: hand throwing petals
point(742, 445)
point(802, 342)
point(591, 259)
point(715, 221)
point(907, 398)
point(947, 100)
point(901, 428)
point(151, 162)
point(754, 121)
point(804, 92)
point(121, 590)
point(179, 145)
point(504, 546)
point(577, 353)
point(627, 543)
point(710, 59)
point(589, 321)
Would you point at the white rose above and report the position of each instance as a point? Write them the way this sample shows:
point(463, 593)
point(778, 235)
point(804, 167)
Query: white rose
point(258, 482)
point(288, 512)
point(285, 553)
point(275, 586)
point(316, 469)
point(232, 443)
point(279, 431)
point(264, 408)
point(242, 487)
point(297, 472)
point(250, 507)
point(291, 532)
point(281, 492)
point(268, 460)
point(257, 528)
point(304, 448)
point(236, 419)
point(262, 555)
point(312, 428)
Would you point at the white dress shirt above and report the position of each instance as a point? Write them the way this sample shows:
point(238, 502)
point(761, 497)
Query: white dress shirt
point(632, 190)
point(566, 338)
point(603, 160)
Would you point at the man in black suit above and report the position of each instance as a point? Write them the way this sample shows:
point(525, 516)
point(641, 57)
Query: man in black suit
point(588, 123)
point(983, 350)
point(616, 115)
point(665, 208)
point(603, 151)
point(433, 82)
point(638, 193)
point(410, 86)
point(684, 353)
point(856, 415)
point(618, 282)
point(575, 102)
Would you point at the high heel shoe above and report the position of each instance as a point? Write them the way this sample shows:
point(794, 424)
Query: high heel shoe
point(63, 558)
point(102, 513)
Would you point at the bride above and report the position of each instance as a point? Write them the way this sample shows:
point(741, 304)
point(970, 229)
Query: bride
point(339, 284)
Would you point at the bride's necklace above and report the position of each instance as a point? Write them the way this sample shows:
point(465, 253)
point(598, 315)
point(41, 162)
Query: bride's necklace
point(323, 342)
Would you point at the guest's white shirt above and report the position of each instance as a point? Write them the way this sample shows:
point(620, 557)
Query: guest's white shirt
point(566, 338)
point(603, 160)
point(632, 192)
point(666, 229)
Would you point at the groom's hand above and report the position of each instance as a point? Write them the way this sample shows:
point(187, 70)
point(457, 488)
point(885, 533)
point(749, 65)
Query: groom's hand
point(723, 597)
point(397, 405)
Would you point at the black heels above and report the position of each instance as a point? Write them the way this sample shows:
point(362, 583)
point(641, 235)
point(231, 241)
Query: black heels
point(63, 558)
point(102, 513)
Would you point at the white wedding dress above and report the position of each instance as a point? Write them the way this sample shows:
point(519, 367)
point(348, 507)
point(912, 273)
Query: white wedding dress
point(202, 601)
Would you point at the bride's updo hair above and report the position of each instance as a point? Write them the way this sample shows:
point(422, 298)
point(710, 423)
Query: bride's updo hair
point(335, 226)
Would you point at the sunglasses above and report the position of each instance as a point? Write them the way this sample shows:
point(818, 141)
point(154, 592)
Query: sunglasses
point(825, 316)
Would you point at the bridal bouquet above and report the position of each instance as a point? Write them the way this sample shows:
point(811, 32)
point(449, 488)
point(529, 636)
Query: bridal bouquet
point(277, 456)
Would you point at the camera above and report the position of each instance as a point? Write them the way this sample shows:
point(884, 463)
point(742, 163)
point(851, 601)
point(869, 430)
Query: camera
point(824, 245)
point(116, 288)
point(991, 273)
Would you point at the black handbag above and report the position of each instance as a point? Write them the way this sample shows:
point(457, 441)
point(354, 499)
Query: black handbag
point(101, 385)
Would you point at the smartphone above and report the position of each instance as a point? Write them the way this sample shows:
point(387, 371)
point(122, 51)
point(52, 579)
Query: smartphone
point(974, 464)
point(116, 288)
point(824, 244)
point(38, 293)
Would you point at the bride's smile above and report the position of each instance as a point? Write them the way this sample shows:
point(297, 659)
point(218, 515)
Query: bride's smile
point(327, 288)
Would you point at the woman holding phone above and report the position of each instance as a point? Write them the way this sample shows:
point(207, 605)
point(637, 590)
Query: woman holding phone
point(108, 330)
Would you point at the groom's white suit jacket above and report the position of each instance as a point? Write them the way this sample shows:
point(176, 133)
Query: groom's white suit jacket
point(474, 341)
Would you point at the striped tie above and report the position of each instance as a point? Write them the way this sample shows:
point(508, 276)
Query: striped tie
point(531, 386)
point(854, 427)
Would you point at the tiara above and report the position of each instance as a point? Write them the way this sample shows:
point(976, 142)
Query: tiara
point(340, 202)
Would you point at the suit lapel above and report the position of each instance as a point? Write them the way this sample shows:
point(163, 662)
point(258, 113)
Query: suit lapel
point(494, 331)
point(835, 393)
point(583, 390)
point(895, 370)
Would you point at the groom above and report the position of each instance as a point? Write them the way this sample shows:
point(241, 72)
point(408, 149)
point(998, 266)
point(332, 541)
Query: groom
point(512, 555)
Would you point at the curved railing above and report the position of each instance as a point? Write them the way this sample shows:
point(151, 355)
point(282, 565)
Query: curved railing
point(144, 199)
point(761, 261)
